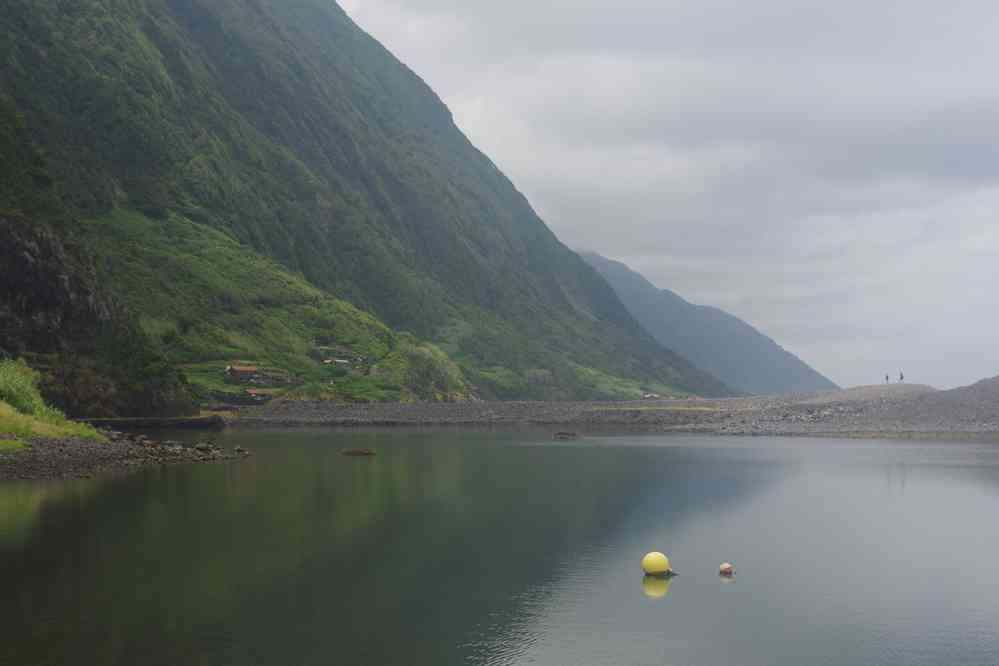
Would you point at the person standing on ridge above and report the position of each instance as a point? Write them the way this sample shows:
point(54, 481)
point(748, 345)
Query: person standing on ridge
point(901, 377)
point(887, 379)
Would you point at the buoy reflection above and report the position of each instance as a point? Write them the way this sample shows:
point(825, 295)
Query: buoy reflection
point(656, 587)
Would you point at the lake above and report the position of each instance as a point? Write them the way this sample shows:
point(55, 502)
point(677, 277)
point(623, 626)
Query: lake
point(504, 547)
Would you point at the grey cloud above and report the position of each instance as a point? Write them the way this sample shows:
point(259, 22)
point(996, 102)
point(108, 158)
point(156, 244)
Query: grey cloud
point(828, 171)
point(769, 30)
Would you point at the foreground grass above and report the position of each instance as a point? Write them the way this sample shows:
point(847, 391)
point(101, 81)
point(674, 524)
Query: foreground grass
point(15, 426)
point(24, 415)
point(10, 445)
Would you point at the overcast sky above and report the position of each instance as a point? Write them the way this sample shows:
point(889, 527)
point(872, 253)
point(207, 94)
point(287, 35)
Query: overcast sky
point(828, 171)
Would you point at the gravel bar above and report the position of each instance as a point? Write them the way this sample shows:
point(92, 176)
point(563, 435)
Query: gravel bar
point(895, 410)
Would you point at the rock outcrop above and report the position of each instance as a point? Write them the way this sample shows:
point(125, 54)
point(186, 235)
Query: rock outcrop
point(94, 359)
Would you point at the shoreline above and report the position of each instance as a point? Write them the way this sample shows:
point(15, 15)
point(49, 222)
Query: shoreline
point(73, 458)
point(592, 427)
point(587, 428)
point(907, 412)
point(899, 412)
point(214, 422)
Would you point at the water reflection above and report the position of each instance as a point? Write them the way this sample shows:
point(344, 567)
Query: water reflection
point(472, 547)
point(22, 505)
point(656, 587)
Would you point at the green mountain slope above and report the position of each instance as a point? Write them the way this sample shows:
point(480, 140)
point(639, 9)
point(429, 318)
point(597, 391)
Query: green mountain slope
point(282, 126)
point(206, 299)
point(714, 340)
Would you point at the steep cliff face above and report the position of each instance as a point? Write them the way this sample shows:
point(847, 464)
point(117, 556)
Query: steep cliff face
point(54, 312)
point(48, 299)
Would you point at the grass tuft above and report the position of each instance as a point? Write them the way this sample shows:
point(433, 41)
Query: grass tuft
point(19, 389)
point(10, 445)
point(24, 414)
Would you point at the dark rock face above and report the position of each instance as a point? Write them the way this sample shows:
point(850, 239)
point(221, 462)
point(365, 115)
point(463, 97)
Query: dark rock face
point(48, 300)
point(94, 360)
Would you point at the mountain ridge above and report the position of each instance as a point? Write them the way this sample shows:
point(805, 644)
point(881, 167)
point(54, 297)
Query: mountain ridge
point(714, 340)
point(285, 127)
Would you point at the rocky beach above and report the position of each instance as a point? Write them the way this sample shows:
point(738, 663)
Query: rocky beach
point(71, 458)
point(895, 410)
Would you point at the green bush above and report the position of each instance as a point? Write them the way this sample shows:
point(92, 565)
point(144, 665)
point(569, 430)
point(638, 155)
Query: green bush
point(23, 413)
point(19, 389)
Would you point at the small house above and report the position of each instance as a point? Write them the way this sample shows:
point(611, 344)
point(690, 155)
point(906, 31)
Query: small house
point(242, 373)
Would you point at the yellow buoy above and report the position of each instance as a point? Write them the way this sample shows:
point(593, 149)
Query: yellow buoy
point(656, 587)
point(656, 564)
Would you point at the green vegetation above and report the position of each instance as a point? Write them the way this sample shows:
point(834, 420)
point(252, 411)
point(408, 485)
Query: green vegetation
point(424, 369)
point(276, 144)
point(206, 301)
point(10, 445)
point(600, 383)
point(19, 389)
point(23, 413)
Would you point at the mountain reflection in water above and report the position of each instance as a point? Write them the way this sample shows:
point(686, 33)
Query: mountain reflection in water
point(502, 548)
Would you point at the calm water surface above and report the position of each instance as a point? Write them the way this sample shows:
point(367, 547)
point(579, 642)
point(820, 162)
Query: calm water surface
point(495, 548)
